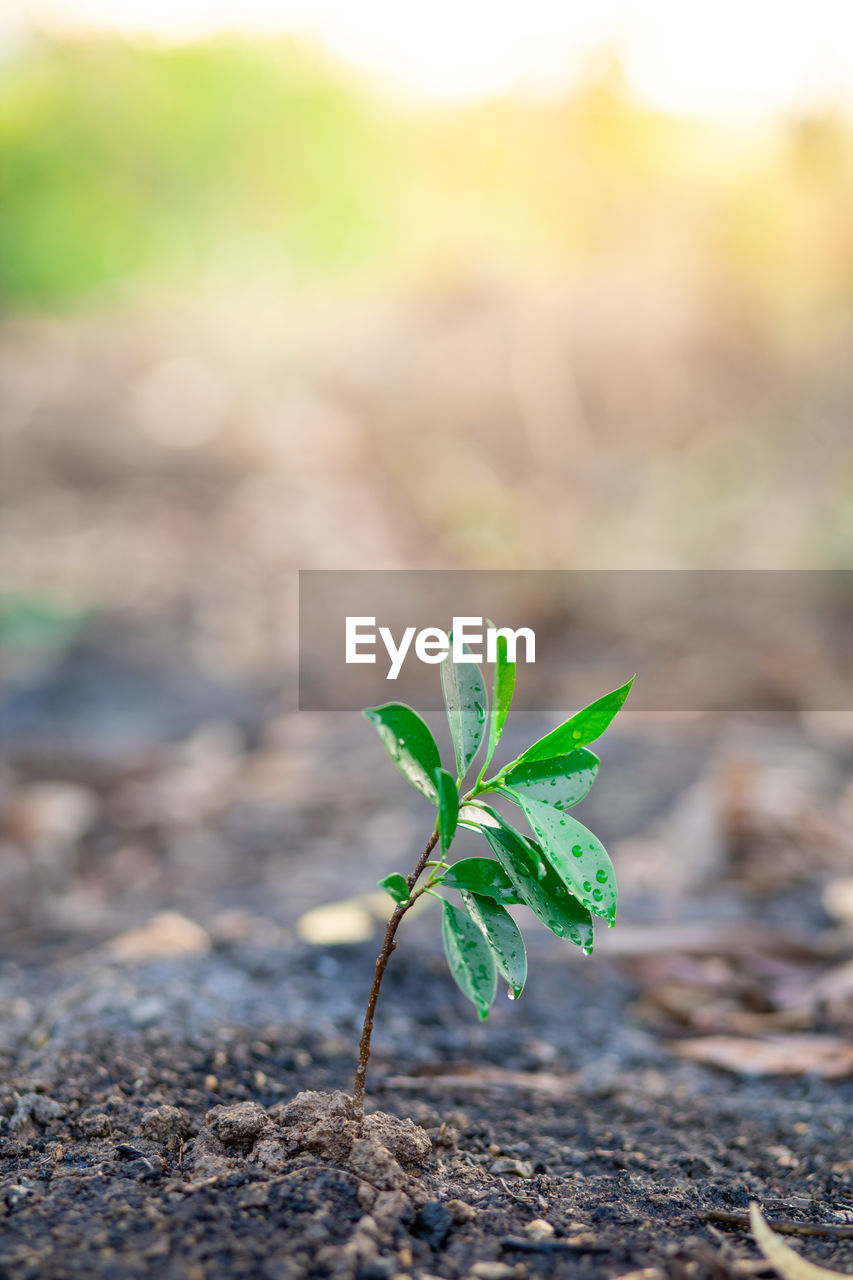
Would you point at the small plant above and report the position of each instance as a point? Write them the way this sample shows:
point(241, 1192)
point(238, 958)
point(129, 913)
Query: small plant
point(562, 872)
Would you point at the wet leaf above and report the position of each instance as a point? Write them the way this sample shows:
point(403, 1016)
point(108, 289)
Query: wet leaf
point(409, 743)
point(448, 807)
point(503, 936)
point(561, 781)
point(484, 876)
point(581, 729)
point(539, 887)
point(466, 704)
point(469, 957)
point(578, 857)
point(395, 884)
point(502, 691)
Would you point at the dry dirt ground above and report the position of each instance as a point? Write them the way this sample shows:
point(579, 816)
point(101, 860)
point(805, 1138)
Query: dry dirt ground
point(162, 1010)
point(149, 1128)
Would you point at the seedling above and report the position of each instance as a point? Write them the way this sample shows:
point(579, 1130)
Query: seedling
point(562, 872)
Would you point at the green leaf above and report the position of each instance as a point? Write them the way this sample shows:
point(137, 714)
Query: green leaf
point(466, 704)
point(503, 936)
point(448, 807)
point(502, 691)
point(483, 876)
point(409, 743)
point(583, 727)
point(469, 957)
point(395, 884)
point(539, 887)
point(578, 857)
point(560, 782)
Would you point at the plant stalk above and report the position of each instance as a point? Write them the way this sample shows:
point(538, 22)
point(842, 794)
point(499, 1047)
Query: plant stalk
point(382, 959)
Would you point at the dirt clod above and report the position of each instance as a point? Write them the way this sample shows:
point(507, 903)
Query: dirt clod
point(36, 1107)
point(391, 1206)
point(406, 1141)
point(238, 1125)
point(164, 1124)
point(460, 1211)
point(95, 1125)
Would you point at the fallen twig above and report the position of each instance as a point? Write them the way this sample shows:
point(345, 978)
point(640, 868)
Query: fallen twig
point(785, 1226)
point(524, 1245)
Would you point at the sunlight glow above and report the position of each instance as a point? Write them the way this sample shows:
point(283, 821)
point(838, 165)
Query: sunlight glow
point(724, 58)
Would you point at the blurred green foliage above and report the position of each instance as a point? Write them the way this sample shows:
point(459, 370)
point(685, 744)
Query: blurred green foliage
point(117, 159)
point(38, 621)
point(122, 161)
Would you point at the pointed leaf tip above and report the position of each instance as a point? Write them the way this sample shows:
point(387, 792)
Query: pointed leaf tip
point(409, 743)
point(502, 690)
point(580, 729)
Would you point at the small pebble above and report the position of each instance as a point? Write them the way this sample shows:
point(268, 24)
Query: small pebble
point(166, 934)
point(493, 1271)
point(18, 1192)
point(539, 1229)
point(505, 1167)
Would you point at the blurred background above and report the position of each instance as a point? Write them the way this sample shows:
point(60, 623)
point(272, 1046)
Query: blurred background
point(312, 284)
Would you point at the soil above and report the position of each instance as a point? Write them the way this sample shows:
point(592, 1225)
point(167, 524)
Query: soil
point(175, 1050)
point(148, 1130)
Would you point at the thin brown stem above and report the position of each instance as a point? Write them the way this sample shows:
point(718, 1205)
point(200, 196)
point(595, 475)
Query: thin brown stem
point(784, 1226)
point(381, 964)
